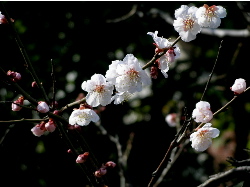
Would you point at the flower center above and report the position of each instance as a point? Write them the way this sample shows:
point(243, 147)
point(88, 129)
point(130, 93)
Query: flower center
point(133, 74)
point(188, 23)
point(203, 133)
point(210, 12)
point(99, 88)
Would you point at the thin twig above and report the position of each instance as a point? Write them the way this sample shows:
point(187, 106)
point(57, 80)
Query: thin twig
point(211, 74)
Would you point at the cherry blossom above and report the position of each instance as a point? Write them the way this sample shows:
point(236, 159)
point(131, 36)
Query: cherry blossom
point(186, 23)
point(202, 113)
point(202, 138)
point(83, 117)
point(128, 76)
point(210, 16)
point(99, 91)
point(239, 86)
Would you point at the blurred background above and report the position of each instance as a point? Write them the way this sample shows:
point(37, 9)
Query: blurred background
point(83, 38)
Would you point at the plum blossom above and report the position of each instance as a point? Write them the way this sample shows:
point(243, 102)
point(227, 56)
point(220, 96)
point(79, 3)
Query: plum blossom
point(171, 54)
point(186, 23)
point(239, 86)
point(202, 138)
point(83, 117)
point(99, 91)
point(127, 75)
point(202, 113)
point(82, 158)
point(210, 16)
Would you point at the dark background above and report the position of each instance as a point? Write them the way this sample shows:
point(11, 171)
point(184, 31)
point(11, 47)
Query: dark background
point(80, 38)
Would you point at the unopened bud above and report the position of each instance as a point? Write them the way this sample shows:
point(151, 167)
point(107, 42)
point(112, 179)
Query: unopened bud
point(39, 129)
point(82, 158)
point(110, 164)
point(50, 125)
point(154, 72)
point(33, 84)
point(102, 171)
point(42, 107)
point(14, 76)
point(19, 101)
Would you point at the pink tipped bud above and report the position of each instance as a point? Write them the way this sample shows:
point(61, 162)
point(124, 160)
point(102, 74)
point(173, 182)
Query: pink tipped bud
point(19, 101)
point(15, 77)
point(154, 72)
point(82, 158)
point(50, 125)
point(39, 129)
point(170, 55)
point(110, 164)
point(102, 171)
point(239, 86)
point(69, 151)
point(56, 112)
point(34, 84)
point(42, 107)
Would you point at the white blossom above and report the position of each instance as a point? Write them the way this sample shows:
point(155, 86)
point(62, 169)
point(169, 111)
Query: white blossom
point(127, 76)
point(239, 86)
point(186, 23)
point(99, 91)
point(202, 113)
point(171, 54)
point(83, 117)
point(210, 16)
point(202, 138)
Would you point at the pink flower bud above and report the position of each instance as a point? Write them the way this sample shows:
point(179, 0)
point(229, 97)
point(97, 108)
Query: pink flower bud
point(154, 72)
point(39, 129)
point(239, 86)
point(42, 107)
point(50, 125)
point(82, 158)
point(56, 112)
point(102, 171)
point(15, 77)
point(170, 55)
point(18, 101)
point(33, 84)
point(110, 164)
point(3, 19)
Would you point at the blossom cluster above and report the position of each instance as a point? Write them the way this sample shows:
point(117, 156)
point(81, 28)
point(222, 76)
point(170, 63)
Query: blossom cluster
point(190, 20)
point(122, 79)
